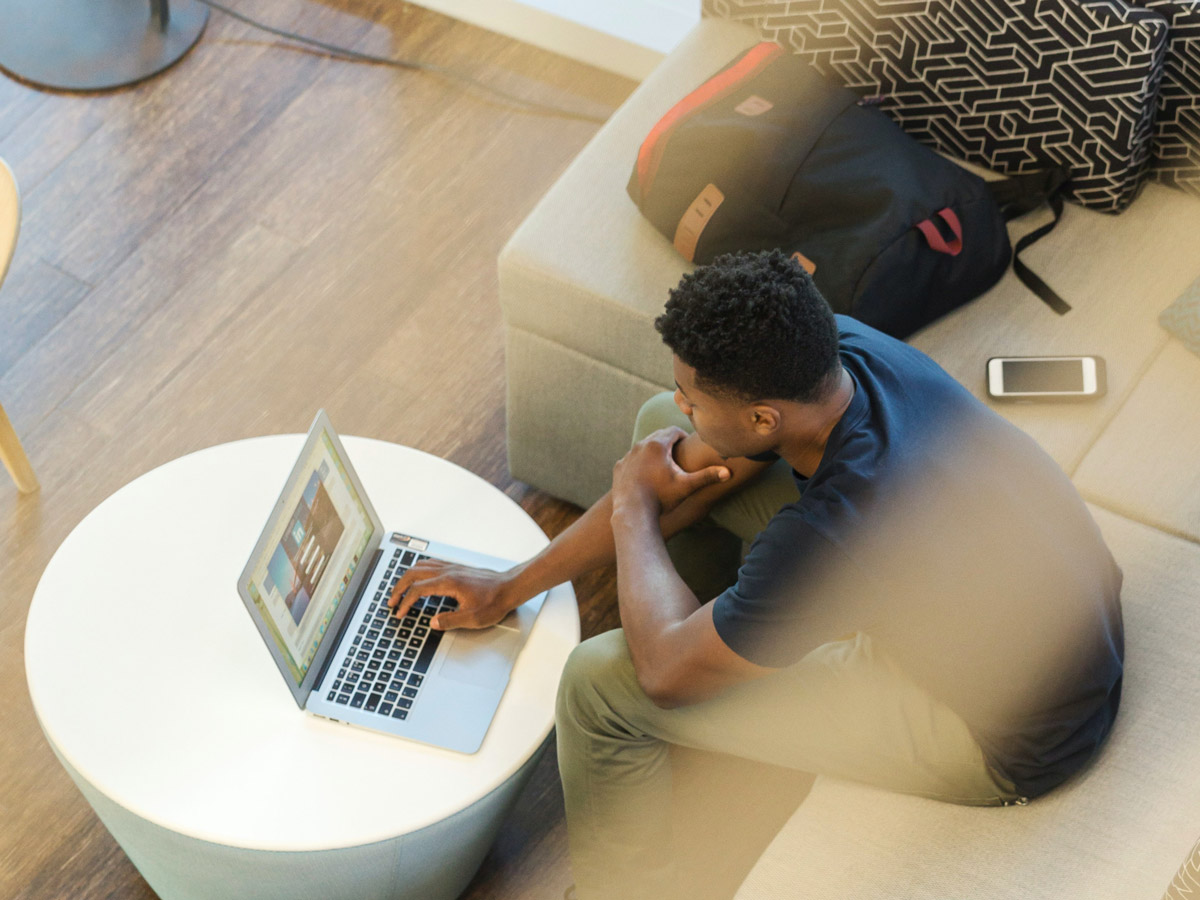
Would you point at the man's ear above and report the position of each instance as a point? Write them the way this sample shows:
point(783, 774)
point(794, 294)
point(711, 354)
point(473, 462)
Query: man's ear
point(764, 418)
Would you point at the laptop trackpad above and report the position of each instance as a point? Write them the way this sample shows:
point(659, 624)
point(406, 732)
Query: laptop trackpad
point(483, 658)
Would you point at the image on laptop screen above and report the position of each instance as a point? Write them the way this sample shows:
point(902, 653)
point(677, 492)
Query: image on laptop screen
point(317, 542)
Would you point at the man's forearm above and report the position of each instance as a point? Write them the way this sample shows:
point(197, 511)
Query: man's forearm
point(650, 593)
point(588, 544)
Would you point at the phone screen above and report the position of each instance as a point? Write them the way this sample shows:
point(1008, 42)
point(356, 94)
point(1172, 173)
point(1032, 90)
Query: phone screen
point(1030, 376)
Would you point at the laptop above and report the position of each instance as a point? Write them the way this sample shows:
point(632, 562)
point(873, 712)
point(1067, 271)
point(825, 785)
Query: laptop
point(317, 585)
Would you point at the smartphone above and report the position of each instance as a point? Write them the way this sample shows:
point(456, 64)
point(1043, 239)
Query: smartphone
point(1026, 378)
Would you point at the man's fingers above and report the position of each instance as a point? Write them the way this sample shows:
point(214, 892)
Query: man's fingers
point(670, 435)
point(421, 571)
point(401, 586)
point(664, 438)
point(430, 588)
point(402, 601)
point(706, 476)
point(423, 588)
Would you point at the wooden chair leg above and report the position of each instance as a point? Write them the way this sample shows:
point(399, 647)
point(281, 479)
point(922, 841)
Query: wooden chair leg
point(12, 454)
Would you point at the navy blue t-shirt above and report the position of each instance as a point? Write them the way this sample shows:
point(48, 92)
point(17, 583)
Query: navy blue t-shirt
point(953, 540)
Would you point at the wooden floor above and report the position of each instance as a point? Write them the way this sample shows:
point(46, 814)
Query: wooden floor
point(190, 246)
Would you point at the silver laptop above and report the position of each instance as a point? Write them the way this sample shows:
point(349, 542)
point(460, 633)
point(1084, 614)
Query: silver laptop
point(317, 586)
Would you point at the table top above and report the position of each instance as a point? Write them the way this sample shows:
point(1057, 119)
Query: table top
point(149, 678)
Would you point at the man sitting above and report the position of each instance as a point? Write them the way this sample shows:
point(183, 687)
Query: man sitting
point(926, 606)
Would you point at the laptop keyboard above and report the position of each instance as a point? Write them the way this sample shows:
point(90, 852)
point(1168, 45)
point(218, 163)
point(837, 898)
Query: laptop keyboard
point(390, 655)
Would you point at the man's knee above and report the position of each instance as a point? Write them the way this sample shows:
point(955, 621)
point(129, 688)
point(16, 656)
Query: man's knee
point(596, 674)
point(659, 412)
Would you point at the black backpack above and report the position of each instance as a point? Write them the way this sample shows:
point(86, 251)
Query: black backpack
point(769, 153)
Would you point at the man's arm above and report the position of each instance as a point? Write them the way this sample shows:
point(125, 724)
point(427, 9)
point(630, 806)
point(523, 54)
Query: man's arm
point(677, 654)
point(486, 597)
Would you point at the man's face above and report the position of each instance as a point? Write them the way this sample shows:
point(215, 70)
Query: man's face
point(726, 425)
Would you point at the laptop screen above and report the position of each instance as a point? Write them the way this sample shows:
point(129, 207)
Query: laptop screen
point(314, 543)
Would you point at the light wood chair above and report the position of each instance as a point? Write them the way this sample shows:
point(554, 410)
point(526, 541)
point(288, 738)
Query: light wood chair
point(12, 454)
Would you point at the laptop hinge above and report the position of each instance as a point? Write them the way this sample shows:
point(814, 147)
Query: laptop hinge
point(337, 640)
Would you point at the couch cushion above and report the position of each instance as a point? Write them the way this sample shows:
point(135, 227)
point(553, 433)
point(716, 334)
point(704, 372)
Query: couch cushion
point(1119, 829)
point(1146, 464)
point(1118, 273)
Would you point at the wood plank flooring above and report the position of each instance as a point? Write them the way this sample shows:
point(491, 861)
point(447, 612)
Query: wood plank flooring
point(189, 245)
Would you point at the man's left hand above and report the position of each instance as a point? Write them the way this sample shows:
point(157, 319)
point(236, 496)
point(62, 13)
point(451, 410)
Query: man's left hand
point(648, 474)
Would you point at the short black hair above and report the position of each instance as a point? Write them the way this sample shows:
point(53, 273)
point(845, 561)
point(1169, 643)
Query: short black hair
point(755, 327)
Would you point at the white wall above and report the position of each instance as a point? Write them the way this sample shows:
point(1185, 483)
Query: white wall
point(624, 36)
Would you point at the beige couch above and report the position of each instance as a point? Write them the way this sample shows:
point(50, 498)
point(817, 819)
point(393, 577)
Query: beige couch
point(581, 282)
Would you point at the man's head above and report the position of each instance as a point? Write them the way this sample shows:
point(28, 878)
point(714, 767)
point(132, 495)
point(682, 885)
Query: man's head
point(749, 329)
point(754, 327)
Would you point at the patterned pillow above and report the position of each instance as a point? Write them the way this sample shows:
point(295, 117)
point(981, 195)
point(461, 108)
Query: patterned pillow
point(1182, 318)
point(1187, 881)
point(1015, 85)
point(1176, 145)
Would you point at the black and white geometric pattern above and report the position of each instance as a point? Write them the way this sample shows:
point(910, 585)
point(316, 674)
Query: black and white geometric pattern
point(1176, 150)
point(1014, 86)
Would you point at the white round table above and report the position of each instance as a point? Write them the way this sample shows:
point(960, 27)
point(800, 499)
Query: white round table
point(164, 705)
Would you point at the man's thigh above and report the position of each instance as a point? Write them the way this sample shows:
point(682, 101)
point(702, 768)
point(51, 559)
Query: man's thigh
point(844, 710)
point(746, 512)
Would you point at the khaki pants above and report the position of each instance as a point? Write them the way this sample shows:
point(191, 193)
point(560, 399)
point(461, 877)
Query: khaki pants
point(844, 710)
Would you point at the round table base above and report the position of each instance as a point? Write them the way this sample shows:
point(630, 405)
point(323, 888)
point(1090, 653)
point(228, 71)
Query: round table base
point(94, 45)
point(435, 863)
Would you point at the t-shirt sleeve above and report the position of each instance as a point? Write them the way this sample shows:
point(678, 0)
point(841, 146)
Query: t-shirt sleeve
point(778, 611)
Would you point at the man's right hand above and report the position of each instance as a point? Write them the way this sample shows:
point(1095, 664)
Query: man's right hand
point(484, 597)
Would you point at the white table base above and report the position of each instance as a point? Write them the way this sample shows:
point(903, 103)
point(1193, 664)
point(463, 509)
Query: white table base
point(435, 863)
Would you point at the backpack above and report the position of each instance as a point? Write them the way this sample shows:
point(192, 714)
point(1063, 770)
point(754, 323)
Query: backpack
point(769, 153)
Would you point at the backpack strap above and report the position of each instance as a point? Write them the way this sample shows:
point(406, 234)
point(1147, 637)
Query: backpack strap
point(1021, 194)
point(934, 237)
